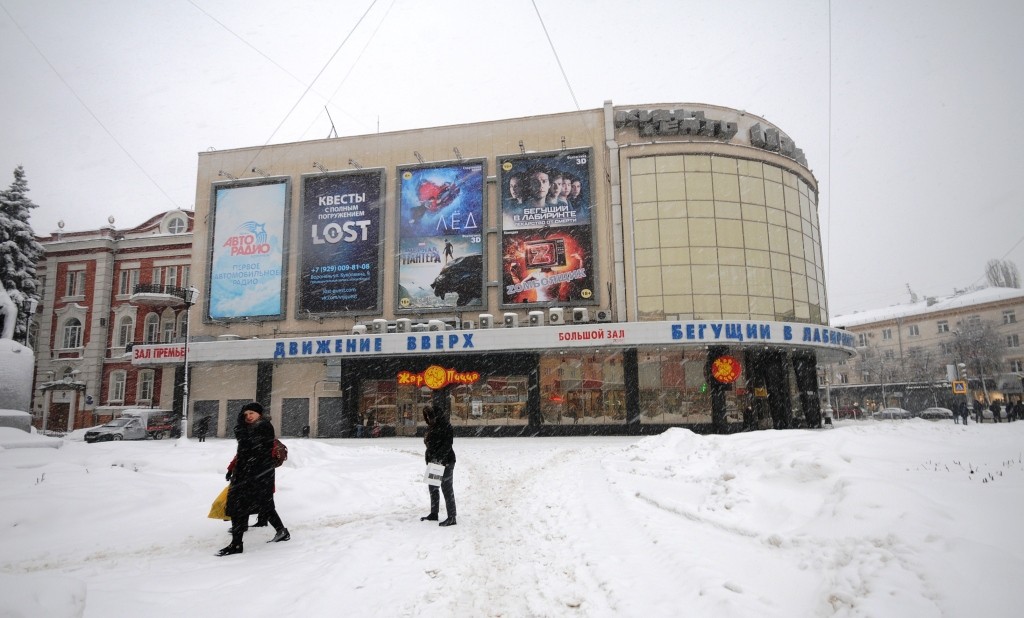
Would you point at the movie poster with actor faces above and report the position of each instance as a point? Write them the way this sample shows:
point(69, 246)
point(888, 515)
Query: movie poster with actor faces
point(546, 229)
point(249, 229)
point(342, 242)
point(440, 260)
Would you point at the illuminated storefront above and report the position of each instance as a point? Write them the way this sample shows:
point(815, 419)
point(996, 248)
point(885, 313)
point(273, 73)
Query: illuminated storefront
point(609, 270)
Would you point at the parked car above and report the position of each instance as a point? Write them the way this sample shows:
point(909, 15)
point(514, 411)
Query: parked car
point(892, 414)
point(936, 414)
point(137, 424)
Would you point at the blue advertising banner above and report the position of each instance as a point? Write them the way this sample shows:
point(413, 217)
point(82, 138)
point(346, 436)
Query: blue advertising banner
point(249, 231)
point(546, 231)
point(342, 242)
point(441, 263)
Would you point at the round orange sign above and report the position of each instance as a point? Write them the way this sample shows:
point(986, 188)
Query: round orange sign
point(725, 369)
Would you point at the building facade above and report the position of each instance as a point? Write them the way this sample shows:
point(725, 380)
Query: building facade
point(104, 291)
point(909, 355)
point(621, 269)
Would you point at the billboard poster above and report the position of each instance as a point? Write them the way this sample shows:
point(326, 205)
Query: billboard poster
point(440, 236)
point(342, 234)
point(546, 228)
point(247, 248)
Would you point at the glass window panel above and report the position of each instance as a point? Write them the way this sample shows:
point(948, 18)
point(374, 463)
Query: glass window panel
point(646, 234)
point(805, 203)
point(755, 235)
point(641, 165)
point(644, 189)
point(700, 209)
point(679, 305)
point(801, 310)
point(794, 222)
point(735, 307)
point(792, 200)
point(645, 210)
point(699, 186)
point(761, 308)
point(777, 238)
point(809, 251)
point(753, 212)
point(676, 279)
point(796, 244)
point(707, 306)
point(727, 187)
point(672, 209)
point(671, 186)
point(773, 173)
point(798, 266)
point(705, 279)
point(671, 163)
point(647, 257)
point(758, 258)
point(782, 284)
point(784, 309)
point(702, 233)
point(773, 195)
point(751, 190)
point(730, 233)
point(733, 280)
point(697, 163)
point(727, 210)
point(733, 257)
point(776, 217)
point(799, 287)
point(749, 168)
point(673, 256)
point(780, 261)
point(674, 232)
point(759, 281)
point(789, 179)
point(648, 281)
point(707, 255)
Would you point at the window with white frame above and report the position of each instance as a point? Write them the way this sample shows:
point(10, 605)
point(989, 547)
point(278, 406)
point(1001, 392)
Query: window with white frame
point(889, 355)
point(974, 321)
point(943, 326)
point(887, 334)
point(152, 328)
point(145, 385)
point(156, 275)
point(1017, 365)
point(914, 330)
point(177, 225)
point(171, 276)
point(125, 331)
point(1009, 317)
point(75, 283)
point(168, 330)
point(862, 340)
point(186, 273)
point(71, 336)
point(1013, 341)
point(127, 281)
point(117, 380)
point(844, 378)
point(865, 376)
point(947, 348)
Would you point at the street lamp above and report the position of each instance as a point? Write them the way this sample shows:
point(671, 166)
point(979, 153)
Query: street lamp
point(33, 304)
point(191, 295)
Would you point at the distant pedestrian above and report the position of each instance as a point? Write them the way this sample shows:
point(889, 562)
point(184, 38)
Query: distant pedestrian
point(996, 411)
point(964, 411)
point(1018, 409)
point(958, 412)
point(202, 427)
point(438, 441)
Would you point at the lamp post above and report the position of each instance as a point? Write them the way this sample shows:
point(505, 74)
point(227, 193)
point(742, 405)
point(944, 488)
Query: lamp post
point(32, 305)
point(191, 295)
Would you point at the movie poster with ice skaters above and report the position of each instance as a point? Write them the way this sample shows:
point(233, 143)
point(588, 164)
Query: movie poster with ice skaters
point(546, 228)
point(440, 262)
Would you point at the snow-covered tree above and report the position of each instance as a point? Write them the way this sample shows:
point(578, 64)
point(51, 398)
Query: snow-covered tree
point(19, 250)
point(1002, 274)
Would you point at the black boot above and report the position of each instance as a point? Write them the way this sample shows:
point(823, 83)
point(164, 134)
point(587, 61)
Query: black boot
point(281, 535)
point(261, 521)
point(448, 522)
point(233, 548)
point(431, 517)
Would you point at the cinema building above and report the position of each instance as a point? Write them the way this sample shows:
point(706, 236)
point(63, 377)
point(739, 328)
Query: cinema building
point(614, 270)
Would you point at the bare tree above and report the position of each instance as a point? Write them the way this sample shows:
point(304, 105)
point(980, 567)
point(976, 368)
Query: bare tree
point(1002, 274)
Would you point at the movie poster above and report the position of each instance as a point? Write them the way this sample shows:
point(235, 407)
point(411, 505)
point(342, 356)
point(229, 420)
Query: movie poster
point(247, 248)
point(440, 261)
point(546, 229)
point(342, 242)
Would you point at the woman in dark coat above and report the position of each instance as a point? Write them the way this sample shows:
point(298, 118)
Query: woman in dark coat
point(252, 479)
point(439, 440)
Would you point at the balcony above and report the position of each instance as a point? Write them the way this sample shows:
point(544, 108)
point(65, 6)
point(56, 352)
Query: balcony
point(159, 295)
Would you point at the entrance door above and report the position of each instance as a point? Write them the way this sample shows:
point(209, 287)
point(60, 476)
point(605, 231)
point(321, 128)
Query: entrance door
point(294, 416)
point(329, 420)
point(57, 419)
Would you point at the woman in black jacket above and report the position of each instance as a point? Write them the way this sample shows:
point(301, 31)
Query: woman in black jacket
point(439, 440)
point(252, 479)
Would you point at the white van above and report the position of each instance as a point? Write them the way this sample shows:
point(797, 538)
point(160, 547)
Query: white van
point(137, 424)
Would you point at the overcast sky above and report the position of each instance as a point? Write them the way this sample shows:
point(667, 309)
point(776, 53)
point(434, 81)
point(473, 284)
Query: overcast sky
point(904, 108)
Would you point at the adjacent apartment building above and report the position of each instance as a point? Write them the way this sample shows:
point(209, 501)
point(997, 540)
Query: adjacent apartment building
point(909, 355)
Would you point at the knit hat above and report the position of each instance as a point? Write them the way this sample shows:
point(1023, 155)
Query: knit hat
point(255, 407)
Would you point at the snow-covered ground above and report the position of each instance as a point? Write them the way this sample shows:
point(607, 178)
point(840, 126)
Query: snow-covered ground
point(876, 518)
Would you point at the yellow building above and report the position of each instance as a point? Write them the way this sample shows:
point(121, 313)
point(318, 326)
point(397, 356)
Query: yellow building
point(621, 269)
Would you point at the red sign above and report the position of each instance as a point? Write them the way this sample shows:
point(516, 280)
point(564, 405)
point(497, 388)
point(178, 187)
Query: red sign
point(436, 377)
point(725, 369)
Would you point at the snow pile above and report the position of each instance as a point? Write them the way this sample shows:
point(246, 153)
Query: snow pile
point(893, 518)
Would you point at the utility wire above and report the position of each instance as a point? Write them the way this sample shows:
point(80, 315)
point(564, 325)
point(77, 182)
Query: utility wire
point(87, 108)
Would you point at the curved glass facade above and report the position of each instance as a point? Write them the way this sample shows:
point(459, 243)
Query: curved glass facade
point(718, 237)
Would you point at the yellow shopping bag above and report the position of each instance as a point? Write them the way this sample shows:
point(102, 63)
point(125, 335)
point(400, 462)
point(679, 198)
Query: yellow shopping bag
point(219, 505)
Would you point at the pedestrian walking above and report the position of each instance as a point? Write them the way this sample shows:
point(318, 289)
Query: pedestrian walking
point(996, 409)
point(958, 412)
point(252, 479)
point(202, 427)
point(1018, 409)
point(438, 440)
